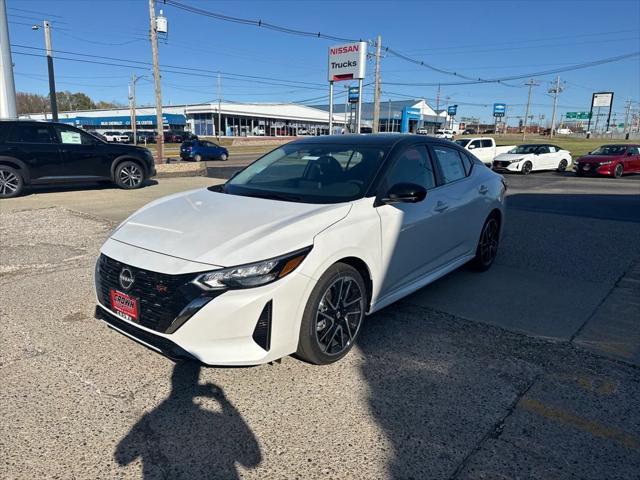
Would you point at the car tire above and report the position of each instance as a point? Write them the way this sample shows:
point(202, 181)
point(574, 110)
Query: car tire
point(618, 171)
point(224, 157)
point(129, 175)
point(527, 167)
point(562, 166)
point(336, 307)
point(488, 243)
point(11, 182)
point(198, 157)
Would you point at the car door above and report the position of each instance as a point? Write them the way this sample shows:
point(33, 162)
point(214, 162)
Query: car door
point(463, 198)
point(633, 160)
point(211, 149)
point(475, 147)
point(35, 144)
point(412, 240)
point(541, 158)
point(84, 156)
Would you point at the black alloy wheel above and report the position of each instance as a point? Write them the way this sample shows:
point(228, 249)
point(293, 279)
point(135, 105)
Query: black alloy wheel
point(526, 168)
point(129, 175)
point(333, 315)
point(487, 245)
point(562, 166)
point(11, 182)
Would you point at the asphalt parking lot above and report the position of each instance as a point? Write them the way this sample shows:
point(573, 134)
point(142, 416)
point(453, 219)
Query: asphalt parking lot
point(530, 370)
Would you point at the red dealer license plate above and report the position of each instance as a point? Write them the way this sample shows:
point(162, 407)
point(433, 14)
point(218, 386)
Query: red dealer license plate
point(124, 305)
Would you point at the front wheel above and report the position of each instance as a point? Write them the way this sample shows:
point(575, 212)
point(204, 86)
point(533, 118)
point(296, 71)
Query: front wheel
point(198, 157)
point(487, 248)
point(333, 315)
point(224, 157)
point(527, 168)
point(11, 182)
point(129, 175)
point(617, 172)
point(562, 166)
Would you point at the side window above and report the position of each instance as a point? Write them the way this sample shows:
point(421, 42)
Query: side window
point(476, 144)
point(450, 162)
point(634, 150)
point(552, 149)
point(487, 143)
point(542, 150)
point(31, 134)
point(71, 136)
point(413, 166)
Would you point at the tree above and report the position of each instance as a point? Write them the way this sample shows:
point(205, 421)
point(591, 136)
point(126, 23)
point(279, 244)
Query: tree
point(67, 101)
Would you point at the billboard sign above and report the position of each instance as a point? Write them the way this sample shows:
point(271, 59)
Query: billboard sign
point(354, 94)
point(347, 62)
point(602, 99)
point(499, 109)
point(452, 110)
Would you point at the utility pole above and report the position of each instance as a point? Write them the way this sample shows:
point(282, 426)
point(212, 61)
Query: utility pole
point(555, 90)
point(346, 105)
point(626, 120)
point(377, 90)
point(156, 78)
point(438, 108)
point(219, 91)
point(7, 85)
point(531, 83)
point(52, 82)
point(388, 115)
point(132, 106)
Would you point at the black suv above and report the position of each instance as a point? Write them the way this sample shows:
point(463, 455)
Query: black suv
point(33, 152)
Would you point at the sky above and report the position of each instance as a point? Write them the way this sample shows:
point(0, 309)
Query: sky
point(486, 39)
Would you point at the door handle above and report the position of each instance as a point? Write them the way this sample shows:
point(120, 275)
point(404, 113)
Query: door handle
point(483, 190)
point(441, 207)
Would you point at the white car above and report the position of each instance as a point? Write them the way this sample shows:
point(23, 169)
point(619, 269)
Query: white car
point(447, 134)
point(422, 131)
point(484, 148)
point(293, 251)
point(116, 137)
point(533, 157)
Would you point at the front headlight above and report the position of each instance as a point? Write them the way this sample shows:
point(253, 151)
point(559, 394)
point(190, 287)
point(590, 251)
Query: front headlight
point(516, 160)
point(252, 274)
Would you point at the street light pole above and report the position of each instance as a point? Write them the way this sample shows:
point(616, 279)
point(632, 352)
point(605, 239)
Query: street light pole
point(156, 78)
point(556, 91)
point(132, 104)
point(531, 84)
point(7, 85)
point(376, 91)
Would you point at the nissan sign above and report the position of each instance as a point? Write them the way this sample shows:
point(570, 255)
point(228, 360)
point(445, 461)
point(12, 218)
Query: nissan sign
point(347, 62)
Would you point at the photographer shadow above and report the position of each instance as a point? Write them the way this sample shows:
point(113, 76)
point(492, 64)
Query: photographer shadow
point(181, 439)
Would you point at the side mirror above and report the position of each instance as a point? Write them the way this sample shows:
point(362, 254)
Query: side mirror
point(404, 193)
point(471, 147)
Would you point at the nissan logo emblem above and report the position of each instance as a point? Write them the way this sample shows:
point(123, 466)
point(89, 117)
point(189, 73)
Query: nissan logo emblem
point(126, 278)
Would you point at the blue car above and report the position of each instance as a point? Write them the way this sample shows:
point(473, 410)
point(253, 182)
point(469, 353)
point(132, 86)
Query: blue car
point(200, 150)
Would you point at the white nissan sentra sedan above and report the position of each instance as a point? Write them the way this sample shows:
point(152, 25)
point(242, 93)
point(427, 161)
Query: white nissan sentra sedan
point(293, 251)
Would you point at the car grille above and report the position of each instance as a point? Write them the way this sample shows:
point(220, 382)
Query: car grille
point(166, 302)
point(501, 164)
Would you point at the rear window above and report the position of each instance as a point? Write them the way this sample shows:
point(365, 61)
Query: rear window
point(30, 134)
point(486, 143)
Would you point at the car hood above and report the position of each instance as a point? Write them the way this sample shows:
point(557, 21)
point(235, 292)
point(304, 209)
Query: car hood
point(598, 158)
point(226, 230)
point(513, 156)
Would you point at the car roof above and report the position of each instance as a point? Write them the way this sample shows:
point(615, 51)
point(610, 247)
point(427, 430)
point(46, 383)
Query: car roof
point(377, 139)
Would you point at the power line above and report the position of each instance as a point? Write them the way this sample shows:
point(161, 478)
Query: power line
point(41, 14)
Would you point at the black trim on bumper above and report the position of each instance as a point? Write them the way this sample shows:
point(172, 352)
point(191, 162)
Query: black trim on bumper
point(164, 346)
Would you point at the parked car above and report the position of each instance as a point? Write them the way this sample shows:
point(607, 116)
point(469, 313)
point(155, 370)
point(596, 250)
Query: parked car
point(116, 137)
point(293, 251)
point(97, 135)
point(33, 153)
point(484, 148)
point(530, 158)
point(469, 131)
point(422, 131)
point(612, 160)
point(199, 150)
point(174, 136)
point(444, 133)
point(564, 131)
point(146, 136)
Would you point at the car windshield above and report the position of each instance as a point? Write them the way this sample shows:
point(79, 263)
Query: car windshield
point(463, 142)
point(610, 150)
point(524, 149)
point(310, 173)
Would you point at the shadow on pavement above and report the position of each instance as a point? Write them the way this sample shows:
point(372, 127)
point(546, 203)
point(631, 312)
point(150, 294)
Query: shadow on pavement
point(180, 439)
point(72, 187)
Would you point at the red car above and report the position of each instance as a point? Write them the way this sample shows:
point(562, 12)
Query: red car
point(612, 160)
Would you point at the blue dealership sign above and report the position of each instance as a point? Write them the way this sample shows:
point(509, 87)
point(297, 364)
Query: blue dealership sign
point(452, 110)
point(354, 94)
point(499, 109)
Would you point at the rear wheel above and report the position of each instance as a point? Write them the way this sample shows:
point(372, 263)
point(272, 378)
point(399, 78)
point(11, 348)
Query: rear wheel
point(11, 182)
point(562, 166)
point(617, 172)
point(129, 175)
point(224, 157)
point(333, 315)
point(526, 168)
point(487, 248)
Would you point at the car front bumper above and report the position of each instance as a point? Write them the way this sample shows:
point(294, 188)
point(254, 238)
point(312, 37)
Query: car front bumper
point(222, 332)
point(499, 166)
point(594, 169)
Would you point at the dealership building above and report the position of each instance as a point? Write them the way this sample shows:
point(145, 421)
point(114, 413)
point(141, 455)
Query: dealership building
point(235, 119)
point(259, 119)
